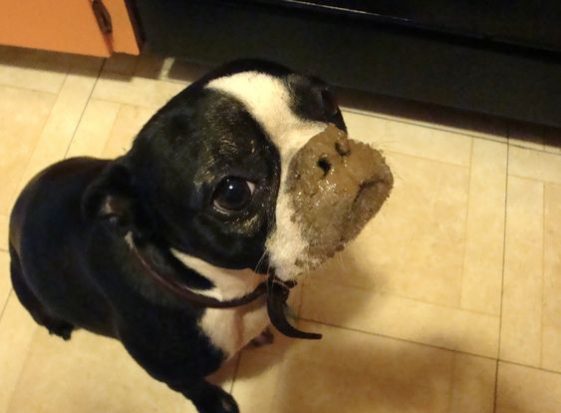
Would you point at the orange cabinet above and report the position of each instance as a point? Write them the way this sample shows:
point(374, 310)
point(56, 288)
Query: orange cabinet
point(68, 26)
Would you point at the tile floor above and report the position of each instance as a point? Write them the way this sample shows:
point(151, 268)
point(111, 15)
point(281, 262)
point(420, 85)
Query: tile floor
point(449, 301)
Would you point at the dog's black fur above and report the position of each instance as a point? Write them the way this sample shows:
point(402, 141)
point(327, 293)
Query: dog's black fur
point(72, 268)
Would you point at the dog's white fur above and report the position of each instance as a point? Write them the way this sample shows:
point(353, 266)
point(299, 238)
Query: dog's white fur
point(267, 99)
point(229, 284)
point(229, 329)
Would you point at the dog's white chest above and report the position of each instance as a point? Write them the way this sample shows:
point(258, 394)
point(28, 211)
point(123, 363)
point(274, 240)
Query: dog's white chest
point(231, 329)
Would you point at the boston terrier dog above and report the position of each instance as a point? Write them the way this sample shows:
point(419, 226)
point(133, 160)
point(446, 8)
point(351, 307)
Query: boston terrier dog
point(184, 248)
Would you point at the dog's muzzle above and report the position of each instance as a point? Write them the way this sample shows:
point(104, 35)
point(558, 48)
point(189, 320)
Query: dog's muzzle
point(337, 185)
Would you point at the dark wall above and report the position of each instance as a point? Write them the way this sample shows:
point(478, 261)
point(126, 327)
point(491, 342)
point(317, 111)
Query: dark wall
point(411, 63)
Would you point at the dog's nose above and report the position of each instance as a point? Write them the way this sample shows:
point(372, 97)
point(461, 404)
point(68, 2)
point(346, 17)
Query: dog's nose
point(342, 149)
point(337, 185)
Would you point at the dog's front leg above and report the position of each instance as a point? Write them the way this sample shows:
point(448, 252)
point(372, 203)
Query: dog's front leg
point(207, 397)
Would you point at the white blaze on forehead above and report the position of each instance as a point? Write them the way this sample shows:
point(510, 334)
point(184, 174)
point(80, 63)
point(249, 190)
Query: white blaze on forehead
point(268, 99)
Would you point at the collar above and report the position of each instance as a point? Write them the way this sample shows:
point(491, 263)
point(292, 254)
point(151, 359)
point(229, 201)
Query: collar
point(169, 282)
point(277, 292)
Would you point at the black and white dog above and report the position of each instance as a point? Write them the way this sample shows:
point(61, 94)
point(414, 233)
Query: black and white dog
point(166, 247)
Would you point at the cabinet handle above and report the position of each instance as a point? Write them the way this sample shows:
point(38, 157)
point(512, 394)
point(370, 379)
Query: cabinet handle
point(102, 16)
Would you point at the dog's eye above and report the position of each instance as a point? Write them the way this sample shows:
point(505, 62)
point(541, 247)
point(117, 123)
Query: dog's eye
point(233, 194)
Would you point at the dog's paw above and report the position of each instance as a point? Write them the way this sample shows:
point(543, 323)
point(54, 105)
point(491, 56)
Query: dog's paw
point(229, 405)
point(264, 339)
point(60, 328)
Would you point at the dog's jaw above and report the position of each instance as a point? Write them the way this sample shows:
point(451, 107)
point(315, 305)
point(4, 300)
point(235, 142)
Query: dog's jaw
point(268, 100)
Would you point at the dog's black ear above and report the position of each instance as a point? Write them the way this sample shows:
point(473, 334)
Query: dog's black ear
point(110, 198)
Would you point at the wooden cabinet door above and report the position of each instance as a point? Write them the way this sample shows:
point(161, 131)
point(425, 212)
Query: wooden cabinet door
point(65, 26)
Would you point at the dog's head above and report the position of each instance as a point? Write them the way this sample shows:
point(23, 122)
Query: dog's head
point(228, 172)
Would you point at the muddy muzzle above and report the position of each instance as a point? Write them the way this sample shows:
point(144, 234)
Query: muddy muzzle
point(336, 185)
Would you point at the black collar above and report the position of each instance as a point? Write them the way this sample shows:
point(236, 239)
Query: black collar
point(169, 282)
point(276, 290)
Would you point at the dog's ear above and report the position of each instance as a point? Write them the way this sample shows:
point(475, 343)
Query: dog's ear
point(111, 198)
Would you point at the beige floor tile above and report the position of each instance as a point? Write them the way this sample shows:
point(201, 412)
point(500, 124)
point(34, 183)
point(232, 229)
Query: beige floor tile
point(16, 333)
point(551, 335)
point(399, 317)
point(527, 390)
point(135, 91)
point(410, 139)
point(94, 129)
point(23, 114)
point(80, 376)
point(62, 122)
point(523, 274)
point(4, 227)
point(32, 69)
point(354, 372)
point(527, 163)
point(129, 121)
point(473, 384)
point(5, 283)
point(483, 259)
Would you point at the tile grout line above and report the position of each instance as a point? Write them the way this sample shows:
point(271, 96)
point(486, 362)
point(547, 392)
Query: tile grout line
point(33, 151)
point(393, 294)
point(99, 72)
point(6, 304)
point(429, 125)
point(536, 180)
point(544, 189)
point(31, 89)
point(528, 366)
point(236, 371)
point(450, 129)
point(503, 274)
point(426, 158)
point(403, 340)
point(119, 110)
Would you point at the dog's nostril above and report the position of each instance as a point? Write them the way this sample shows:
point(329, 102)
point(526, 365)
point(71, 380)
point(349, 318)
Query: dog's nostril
point(342, 147)
point(324, 164)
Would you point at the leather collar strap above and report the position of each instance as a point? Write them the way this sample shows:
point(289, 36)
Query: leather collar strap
point(196, 299)
point(277, 294)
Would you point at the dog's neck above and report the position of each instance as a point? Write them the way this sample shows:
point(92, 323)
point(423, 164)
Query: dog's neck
point(228, 284)
point(195, 280)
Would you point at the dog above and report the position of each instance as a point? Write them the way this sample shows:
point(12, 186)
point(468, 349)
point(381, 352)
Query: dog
point(167, 248)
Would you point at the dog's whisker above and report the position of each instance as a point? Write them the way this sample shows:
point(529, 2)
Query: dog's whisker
point(260, 262)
